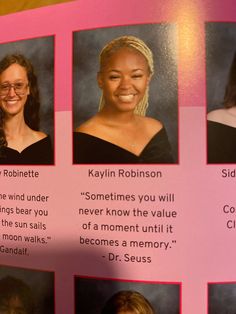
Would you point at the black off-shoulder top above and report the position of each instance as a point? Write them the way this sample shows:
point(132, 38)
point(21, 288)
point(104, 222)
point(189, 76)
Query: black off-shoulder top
point(39, 153)
point(90, 149)
point(221, 143)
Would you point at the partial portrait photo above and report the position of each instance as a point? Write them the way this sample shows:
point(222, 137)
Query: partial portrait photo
point(108, 296)
point(26, 291)
point(221, 92)
point(27, 102)
point(221, 298)
point(125, 104)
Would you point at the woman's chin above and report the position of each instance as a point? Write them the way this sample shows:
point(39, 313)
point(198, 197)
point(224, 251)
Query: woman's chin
point(126, 106)
point(11, 112)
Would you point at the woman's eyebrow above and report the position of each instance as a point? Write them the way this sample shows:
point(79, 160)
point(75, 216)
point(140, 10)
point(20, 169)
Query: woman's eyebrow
point(138, 69)
point(15, 81)
point(113, 70)
point(133, 70)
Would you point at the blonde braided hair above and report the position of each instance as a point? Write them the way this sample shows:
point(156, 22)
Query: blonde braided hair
point(138, 45)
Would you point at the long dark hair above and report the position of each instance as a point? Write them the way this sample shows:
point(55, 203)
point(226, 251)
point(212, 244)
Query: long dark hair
point(230, 90)
point(32, 105)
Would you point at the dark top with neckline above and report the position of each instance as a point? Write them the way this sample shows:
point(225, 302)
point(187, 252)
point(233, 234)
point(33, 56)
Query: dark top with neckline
point(221, 143)
point(38, 153)
point(89, 149)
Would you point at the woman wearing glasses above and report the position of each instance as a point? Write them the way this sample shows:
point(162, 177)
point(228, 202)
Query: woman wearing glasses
point(21, 142)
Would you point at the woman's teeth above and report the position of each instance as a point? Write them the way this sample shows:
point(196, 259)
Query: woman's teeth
point(11, 102)
point(126, 98)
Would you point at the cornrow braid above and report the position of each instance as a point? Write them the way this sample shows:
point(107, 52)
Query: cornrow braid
point(136, 44)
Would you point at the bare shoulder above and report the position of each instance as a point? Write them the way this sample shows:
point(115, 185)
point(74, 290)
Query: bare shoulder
point(151, 125)
point(216, 115)
point(38, 135)
point(88, 126)
point(225, 116)
point(30, 137)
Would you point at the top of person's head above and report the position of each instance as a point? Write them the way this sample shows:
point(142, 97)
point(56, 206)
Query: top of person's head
point(10, 59)
point(137, 45)
point(31, 112)
point(128, 301)
point(130, 42)
point(11, 287)
point(230, 91)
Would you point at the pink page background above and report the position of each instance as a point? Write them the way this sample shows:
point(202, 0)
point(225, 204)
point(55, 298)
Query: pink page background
point(204, 251)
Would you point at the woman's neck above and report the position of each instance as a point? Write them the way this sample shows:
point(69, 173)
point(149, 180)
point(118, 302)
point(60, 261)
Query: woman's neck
point(15, 126)
point(117, 117)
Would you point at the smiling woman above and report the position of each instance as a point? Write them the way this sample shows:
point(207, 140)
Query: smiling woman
point(21, 142)
point(120, 132)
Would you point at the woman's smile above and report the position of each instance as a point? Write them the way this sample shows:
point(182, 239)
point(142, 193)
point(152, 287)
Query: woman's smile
point(126, 97)
point(14, 75)
point(11, 106)
point(124, 80)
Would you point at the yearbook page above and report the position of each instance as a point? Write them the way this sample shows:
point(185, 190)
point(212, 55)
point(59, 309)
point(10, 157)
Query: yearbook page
point(117, 157)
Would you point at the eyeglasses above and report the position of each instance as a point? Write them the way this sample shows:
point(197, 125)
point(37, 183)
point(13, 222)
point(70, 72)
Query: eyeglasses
point(19, 88)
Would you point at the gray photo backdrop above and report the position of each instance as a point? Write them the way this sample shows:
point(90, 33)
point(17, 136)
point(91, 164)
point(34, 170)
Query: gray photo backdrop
point(220, 49)
point(222, 298)
point(163, 101)
point(41, 284)
point(92, 294)
point(40, 52)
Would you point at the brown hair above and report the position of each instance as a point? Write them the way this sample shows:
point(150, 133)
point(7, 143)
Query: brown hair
point(11, 287)
point(129, 300)
point(32, 105)
point(230, 90)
